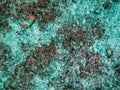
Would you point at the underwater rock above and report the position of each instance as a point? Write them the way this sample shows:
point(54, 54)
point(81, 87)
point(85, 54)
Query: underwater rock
point(4, 13)
point(43, 3)
point(25, 47)
point(48, 16)
point(109, 53)
point(98, 88)
point(78, 41)
point(117, 69)
point(97, 30)
point(107, 5)
point(73, 52)
point(116, 1)
point(45, 52)
point(96, 12)
point(55, 4)
point(42, 14)
point(21, 10)
point(68, 87)
point(92, 67)
point(20, 79)
point(5, 56)
point(68, 73)
point(4, 48)
point(2, 7)
point(64, 0)
point(74, 1)
point(95, 62)
point(34, 65)
point(6, 60)
point(18, 84)
point(80, 35)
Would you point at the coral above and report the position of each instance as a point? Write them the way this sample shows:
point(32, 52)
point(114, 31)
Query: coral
point(76, 35)
point(25, 47)
point(107, 5)
point(97, 31)
point(109, 53)
point(45, 52)
point(43, 3)
point(34, 65)
point(117, 69)
point(42, 13)
point(21, 10)
point(78, 42)
point(81, 30)
point(5, 56)
point(68, 87)
point(4, 13)
point(92, 67)
point(116, 0)
point(48, 17)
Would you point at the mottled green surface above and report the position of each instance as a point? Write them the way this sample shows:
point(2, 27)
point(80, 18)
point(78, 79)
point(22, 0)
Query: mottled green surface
point(77, 50)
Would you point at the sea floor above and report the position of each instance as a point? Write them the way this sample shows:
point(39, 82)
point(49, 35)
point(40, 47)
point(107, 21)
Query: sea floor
point(72, 45)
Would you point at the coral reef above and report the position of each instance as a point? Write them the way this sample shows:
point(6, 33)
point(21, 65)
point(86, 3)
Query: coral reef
point(116, 0)
point(42, 12)
point(78, 41)
point(79, 56)
point(107, 5)
point(4, 13)
point(117, 69)
point(21, 10)
point(34, 65)
point(75, 35)
point(47, 17)
point(93, 67)
point(43, 3)
point(5, 56)
point(68, 88)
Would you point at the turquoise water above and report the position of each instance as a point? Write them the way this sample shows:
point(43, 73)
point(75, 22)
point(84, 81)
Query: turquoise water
point(77, 50)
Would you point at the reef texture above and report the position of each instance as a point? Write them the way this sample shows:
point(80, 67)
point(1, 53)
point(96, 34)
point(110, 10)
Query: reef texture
point(81, 62)
point(34, 65)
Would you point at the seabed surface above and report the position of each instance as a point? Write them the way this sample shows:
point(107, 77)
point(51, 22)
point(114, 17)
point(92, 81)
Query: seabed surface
point(72, 45)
